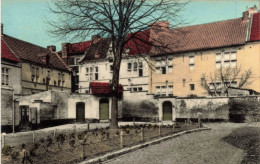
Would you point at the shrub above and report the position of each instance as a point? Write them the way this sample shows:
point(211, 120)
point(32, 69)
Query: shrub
point(243, 106)
point(14, 154)
point(81, 136)
point(6, 150)
point(60, 138)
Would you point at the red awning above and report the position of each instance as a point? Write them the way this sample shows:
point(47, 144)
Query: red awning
point(103, 88)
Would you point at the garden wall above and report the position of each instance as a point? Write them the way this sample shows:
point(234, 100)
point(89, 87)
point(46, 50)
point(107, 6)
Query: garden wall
point(204, 108)
point(139, 106)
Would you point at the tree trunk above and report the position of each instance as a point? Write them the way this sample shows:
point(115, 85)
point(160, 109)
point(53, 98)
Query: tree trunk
point(115, 83)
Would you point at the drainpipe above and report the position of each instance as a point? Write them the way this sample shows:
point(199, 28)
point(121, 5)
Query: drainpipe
point(13, 112)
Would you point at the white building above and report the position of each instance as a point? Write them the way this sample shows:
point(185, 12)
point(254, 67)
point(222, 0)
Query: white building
point(97, 65)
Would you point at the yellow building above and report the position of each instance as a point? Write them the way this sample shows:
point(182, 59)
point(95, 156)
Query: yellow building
point(41, 68)
point(196, 53)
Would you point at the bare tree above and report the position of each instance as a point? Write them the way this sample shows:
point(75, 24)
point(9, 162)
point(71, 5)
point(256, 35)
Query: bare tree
point(116, 19)
point(217, 84)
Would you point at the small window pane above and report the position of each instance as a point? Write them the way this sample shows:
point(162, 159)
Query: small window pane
point(170, 69)
point(158, 70)
point(233, 56)
point(191, 59)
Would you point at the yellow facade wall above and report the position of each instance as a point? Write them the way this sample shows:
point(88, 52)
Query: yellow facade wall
point(29, 86)
point(248, 56)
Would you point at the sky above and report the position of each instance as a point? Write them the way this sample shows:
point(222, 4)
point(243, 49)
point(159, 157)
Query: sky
point(24, 19)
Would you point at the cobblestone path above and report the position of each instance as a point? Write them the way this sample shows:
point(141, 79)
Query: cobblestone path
point(206, 147)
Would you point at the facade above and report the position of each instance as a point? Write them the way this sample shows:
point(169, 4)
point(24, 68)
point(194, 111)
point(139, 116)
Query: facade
point(10, 87)
point(96, 64)
point(201, 50)
point(71, 54)
point(41, 68)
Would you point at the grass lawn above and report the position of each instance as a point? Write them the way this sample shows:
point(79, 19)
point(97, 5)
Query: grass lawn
point(248, 139)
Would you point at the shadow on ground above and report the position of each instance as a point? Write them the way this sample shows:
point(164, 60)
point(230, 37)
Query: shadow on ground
point(248, 139)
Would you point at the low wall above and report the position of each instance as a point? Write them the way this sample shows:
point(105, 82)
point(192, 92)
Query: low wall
point(138, 106)
point(6, 106)
point(204, 108)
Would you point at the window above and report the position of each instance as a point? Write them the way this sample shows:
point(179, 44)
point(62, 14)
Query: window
point(63, 79)
point(170, 90)
point(135, 66)
point(226, 59)
point(192, 87)
point(5, 76)
point(191, 62)
point(55, 83)
point(129, 67)
point(158, 90)
point(111, 68)
point(163, 69)
point(164, 66)
point(59, 79)
point(77, 61)
point(49, 74)
point(33, 73)
point(163, 88)
point(135, 89)
point(96, 73)
point(183, 82)
point(43, 80)
point(90, 73)
point(140, 69)
point(140, 89)
point(37, 74)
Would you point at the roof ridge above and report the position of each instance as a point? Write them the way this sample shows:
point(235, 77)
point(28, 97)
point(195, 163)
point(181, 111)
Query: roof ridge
point(24, 41)
point(227, 20)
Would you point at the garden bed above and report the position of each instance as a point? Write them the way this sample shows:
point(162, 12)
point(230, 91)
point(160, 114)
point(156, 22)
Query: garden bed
point(75, 147)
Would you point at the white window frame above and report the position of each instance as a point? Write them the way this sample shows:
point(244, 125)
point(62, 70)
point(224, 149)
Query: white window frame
point(5, 76)
point(166, 64)
point(192, 62)
point(226, 59)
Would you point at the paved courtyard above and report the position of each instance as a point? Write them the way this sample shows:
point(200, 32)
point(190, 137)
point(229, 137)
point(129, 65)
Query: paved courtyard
point(205, 147)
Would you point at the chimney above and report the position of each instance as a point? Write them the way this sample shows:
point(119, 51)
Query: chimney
point(245, 16)
point(65, 50)
point(161, 25)
point(95, 39)
point(47, 59)
point(51, 48)
point(2, 29)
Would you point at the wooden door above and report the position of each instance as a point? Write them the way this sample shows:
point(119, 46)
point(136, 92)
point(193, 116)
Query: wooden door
point(104, 109)
point(80, 112)
point(24, 116)
point(167, 111)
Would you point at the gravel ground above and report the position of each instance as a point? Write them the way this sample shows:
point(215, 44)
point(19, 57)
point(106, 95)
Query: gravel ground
point(204, 147)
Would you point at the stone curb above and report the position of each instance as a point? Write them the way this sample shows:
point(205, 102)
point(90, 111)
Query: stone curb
point(117, 153)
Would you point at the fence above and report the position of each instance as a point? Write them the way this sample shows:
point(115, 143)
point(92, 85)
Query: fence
point(72, 147)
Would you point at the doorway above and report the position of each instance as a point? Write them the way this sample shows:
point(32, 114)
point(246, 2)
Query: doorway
point(104, 109)
point(80, 112)
point(167, 111)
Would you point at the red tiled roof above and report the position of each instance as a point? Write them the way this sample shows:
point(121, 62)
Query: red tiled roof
point(255, 28)
point(103, 88)
point(79, 47)
point(98, 48)
point(199, 37)
point(30, 53)
point(6, 53)
point(140, 43)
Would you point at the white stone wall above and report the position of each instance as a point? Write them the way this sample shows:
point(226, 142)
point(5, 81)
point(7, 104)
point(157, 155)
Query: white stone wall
point(14, 77)
point(91, 106)
point(129, 79)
